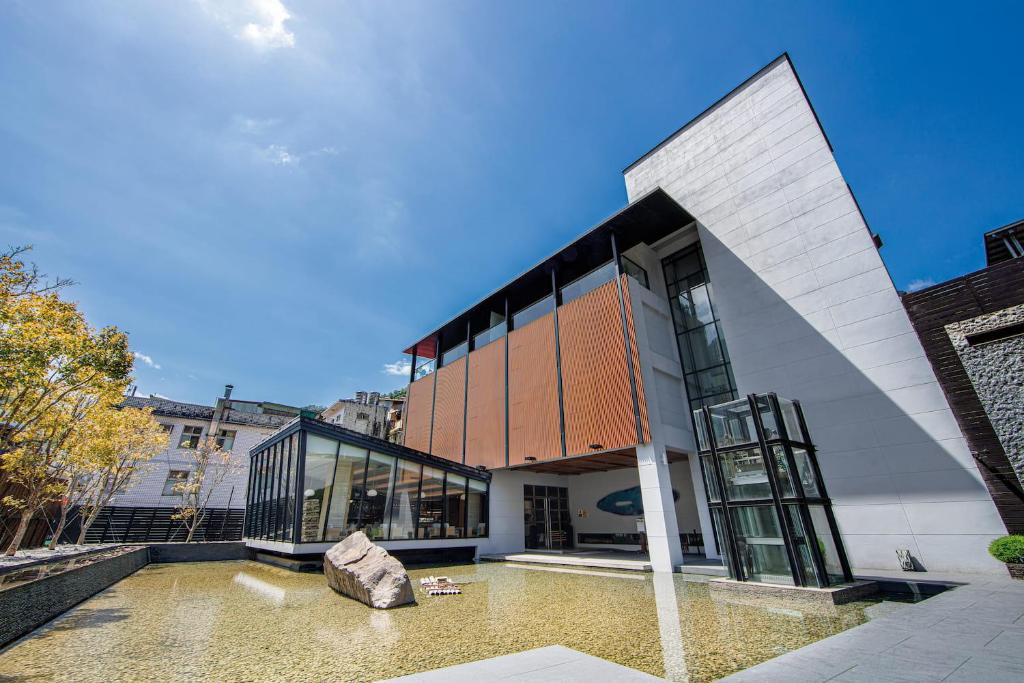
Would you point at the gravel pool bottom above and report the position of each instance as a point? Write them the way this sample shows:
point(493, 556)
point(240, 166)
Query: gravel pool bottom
point(244, 621)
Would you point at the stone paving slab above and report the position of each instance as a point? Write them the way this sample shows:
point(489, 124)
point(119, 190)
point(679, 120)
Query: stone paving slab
point(554, 663)
point(974, 632)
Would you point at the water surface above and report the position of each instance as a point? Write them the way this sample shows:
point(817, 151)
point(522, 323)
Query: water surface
point(243, 621)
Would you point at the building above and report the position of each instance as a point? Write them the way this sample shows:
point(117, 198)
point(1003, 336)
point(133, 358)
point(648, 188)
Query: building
point(741, 265)
point(143, 512)
point(367, 413)
point(972, 329)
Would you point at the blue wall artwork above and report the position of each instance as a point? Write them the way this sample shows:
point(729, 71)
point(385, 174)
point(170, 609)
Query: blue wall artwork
point(626, 502)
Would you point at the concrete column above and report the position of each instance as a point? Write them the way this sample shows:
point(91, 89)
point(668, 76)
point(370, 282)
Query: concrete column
point(703, 511)
point(659, 508)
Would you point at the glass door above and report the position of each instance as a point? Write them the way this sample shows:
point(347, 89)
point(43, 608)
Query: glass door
point(547, 523)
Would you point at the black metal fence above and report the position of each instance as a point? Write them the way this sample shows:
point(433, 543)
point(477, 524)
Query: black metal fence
point(154, 525)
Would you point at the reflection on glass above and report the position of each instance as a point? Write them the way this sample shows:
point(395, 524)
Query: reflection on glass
point(786, 489)
point(292, 447)
point(759, 542)
point(377, 499)
point(702, 430)
point(489, 335)
point(476, 509)
point(718, 519)
point(744, 474)
point(771, 429)
point(790, 419)
point(431, 512)
point(806, 472)
point(704, 346)
point(424, 367)
point(316, 487)
point(710, 485)
point(454, 353)
point(826, 543)
point(455, 506)
point(635, 271)
point(732, 424)
point(403, 509)
point(346, 493)
point(588, 282)
point(802, 549)
point(532, 312)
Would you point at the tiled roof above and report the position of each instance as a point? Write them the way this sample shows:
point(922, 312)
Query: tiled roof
point(169, 408)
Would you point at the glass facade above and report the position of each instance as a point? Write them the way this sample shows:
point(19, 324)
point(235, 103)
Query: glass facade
point(702, 350)
point(772, 517)
point(317, 483)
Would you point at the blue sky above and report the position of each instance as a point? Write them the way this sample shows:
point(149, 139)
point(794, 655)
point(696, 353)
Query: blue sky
point(281, 194)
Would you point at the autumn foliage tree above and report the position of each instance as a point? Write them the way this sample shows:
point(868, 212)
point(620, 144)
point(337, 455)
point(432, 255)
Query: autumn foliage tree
point(55, 370)
point(107, 454)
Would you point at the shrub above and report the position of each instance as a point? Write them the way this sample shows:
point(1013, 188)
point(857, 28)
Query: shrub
point(1008, 549)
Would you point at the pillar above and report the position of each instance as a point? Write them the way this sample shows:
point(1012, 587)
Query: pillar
point(659, 508)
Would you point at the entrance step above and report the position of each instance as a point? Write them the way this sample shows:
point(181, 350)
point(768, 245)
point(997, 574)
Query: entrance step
point(568, 560)
point(703, 568)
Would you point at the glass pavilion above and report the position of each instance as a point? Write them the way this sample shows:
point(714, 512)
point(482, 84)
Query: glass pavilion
point(313, 482)
point(774, 523)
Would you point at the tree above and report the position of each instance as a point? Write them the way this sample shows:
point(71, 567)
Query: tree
point(397, 393)
point(54, 368)
point(108, 453)
point(210, 465)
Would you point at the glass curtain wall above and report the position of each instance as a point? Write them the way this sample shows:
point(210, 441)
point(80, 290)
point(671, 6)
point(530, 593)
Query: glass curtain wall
point(702, 350)
point(771, 513)
point(345, 488)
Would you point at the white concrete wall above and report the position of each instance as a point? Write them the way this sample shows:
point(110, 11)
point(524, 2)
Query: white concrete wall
point(507, 524)
point(147, 490)
point(807, 309)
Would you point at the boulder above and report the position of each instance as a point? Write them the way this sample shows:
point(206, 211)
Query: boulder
point(361, 570)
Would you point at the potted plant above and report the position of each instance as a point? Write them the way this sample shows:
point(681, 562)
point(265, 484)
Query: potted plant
point(1010, 549)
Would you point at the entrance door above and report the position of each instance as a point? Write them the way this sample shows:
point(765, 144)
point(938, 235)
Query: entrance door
point(546, 517)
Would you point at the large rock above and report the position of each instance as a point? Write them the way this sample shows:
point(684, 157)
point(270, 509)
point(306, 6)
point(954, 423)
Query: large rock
point(366, 572)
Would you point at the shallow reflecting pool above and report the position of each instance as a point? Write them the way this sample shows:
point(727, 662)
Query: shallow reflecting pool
point(243, 621)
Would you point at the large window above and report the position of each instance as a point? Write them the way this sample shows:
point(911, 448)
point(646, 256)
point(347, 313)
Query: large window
point(403, 509)
point(346, 493)
point(702, 350)
point(321, 454)
point(533, 311)
point(377, 501)
point(226, 439)
point(431, 503)
point(174, 477)
point(344, 488)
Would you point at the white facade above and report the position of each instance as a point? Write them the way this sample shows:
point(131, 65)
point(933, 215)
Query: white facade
point(808, 310)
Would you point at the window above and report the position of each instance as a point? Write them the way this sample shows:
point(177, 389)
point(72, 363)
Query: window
point(702, 351)
point(347, 493)
point(489, 335)
point(362, 416)
point(190, 436)
point(532, 312)
point(167, 428)
point(431, 510)
point(454, 353)
point(174, 477)
point(588, 282)
point(406, 497)
point(226, 439)
point(634, 271)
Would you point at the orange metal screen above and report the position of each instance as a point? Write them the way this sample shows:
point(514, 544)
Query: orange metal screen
point(533, 392)
point(419, 412)
point(485, 409)
point(449, 403)
point(645, 424)
point(596, 393)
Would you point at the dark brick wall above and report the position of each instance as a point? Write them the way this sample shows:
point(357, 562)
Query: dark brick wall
point(25, 607)
point(985, 291)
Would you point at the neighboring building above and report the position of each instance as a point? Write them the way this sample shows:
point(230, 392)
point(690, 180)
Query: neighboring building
point(366, 413)
point(972, 328)
point(741, 265)
point(143, 512)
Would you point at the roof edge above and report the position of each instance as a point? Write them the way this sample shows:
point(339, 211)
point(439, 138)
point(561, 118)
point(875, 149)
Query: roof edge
point(724, 98)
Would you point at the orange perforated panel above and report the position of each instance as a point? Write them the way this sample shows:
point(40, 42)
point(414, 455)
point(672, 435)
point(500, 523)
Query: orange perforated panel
point(596, 392)
point(485, 410)
point(645, 424)
point(419, 412)
point(533, 392)
point(449, 403)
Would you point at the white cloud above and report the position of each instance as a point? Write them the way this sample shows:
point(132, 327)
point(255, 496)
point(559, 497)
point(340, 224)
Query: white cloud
point(280, 155)
point(399, 369)
point(261, 23)
point(253, 126)
point(148, 360)
point(919, 283)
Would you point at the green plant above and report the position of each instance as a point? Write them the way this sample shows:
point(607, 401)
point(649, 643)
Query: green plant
point(1008, 549)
